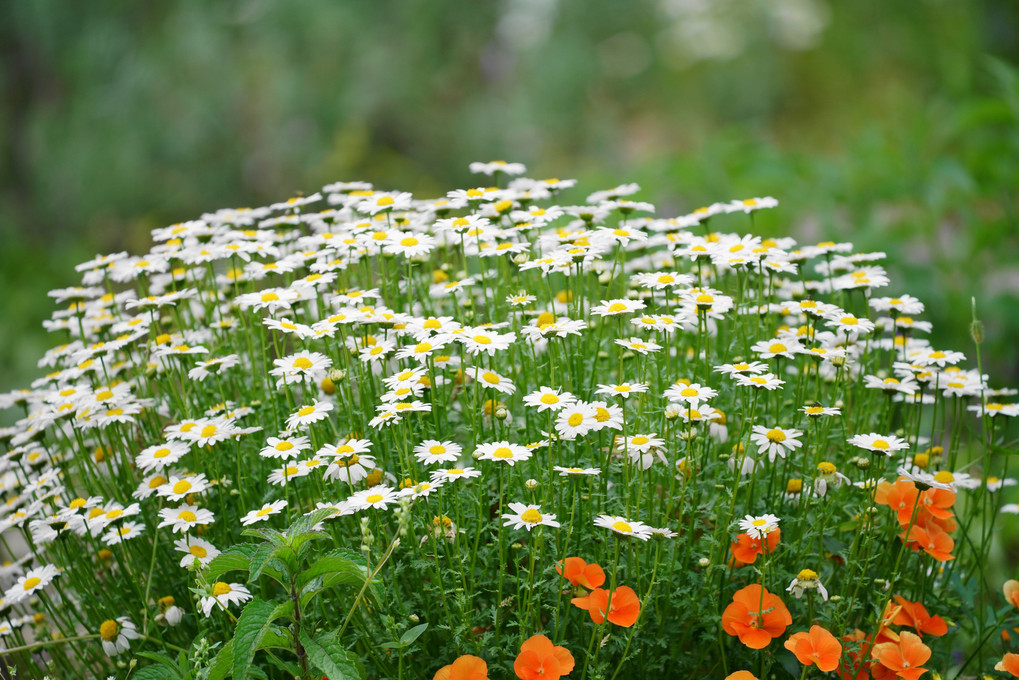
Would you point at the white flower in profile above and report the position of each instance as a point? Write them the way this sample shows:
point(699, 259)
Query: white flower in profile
point(116, 635)
point(263, 513)
point(623, 526)
point(223, 595)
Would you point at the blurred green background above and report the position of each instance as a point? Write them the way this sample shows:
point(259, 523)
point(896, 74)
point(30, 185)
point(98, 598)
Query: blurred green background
point(891, 124)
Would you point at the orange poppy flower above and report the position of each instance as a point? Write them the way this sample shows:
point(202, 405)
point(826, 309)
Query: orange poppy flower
point(756, 616)
point(900, 497)
point(741, 675)
point(914, 615)
point(747, 547)
point(933, 541)
point(539, 659)
point(625, 605)
point(1011, 590)
point(466, 667)
point(1010, 664)
point(580, 573)
point(938, 502)
point(816, 647)
point(905, 658)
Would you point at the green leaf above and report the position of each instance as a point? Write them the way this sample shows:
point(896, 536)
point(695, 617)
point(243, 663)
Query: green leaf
point(223, 663)
point(329, 656)
point(346, 565)
point(161, 659)
point(264, 561)
point(156, 672)
point(234, 558)
point(251, 627)
point(407, 639)
point(266, 534)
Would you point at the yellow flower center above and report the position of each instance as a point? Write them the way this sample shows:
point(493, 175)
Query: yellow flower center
point(181, 487)
point(303, 363)
point(306, 411)
point(187, 516)
point(549, 399)
point(531, 516)
point(108, 630)
point(640, 440)
point(208, 431)
point(575, 419)
point(374, 498)
point(283, 446)
point(944, 476)
point(490, 378)
point(198, 551)
point(622, 527)
point(264, 511)
point(616, 307)
point(221, 589)
point(880, 444)
point(503, 452)
point(688, 392)
point(437, 450)
point(778, 347)
point(32, 582)
point(807, 575)
point(482, 339)
point(776, 435)
point(157, 481)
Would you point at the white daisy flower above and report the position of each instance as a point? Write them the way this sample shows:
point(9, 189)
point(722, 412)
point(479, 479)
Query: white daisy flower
point(775, 441)
point(502, 452)
point(623, 526)
point(879, 443)
point(222, 595)
point(623, 390)
point(116, 635)
point(264, 512)
point(306, 415)
point(378, 497)
point(162, 455)
point(434, 451)
point(759, 527)
point(185, 517)
point(453, 474)
point(285, 447)
point(527, 517)
point(195, 550)
point(549, 399)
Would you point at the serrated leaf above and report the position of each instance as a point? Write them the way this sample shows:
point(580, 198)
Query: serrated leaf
point(412, 634)
point(264, 561)
point(223, 662)
point(266, 534)
point(340, 562)
point(234, 558)
point(256, 618)
point(329, 656)
point(155, 672)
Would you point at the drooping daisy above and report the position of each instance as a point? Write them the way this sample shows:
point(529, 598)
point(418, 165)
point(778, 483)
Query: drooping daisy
point(185, 517)
point(349, 468)
point(806, 581)
point(879, 443)
point(527, 517)
point(116, 635)
point(503, 451)
point(195, 550)
point(548, 399)
point(759, 527)
point(775, 441)
point(222, 595)
point(623, 526)
point(433, 451)
point(264, 512)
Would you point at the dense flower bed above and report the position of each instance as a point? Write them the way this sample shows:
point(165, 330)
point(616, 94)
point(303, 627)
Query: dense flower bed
point(496, 434)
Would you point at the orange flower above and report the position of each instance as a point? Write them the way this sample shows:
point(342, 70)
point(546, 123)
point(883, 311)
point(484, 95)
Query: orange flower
point(914, 615)
point(741, 675)
point(466, 667)
point(580, 573)
point(816, 647)
point(933, 541)
point(1009, 663)
point(1011, 590)
point(756, 616)
point(905, 657)
point(539, 659)
point(900, 497)
point(625, 605)
point(938, 502)
point(747, 547)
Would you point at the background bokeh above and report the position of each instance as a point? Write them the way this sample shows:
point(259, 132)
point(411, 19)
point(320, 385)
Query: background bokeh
point(891, 124)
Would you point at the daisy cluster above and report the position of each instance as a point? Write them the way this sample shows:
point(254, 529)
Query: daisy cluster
point(513, 380)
